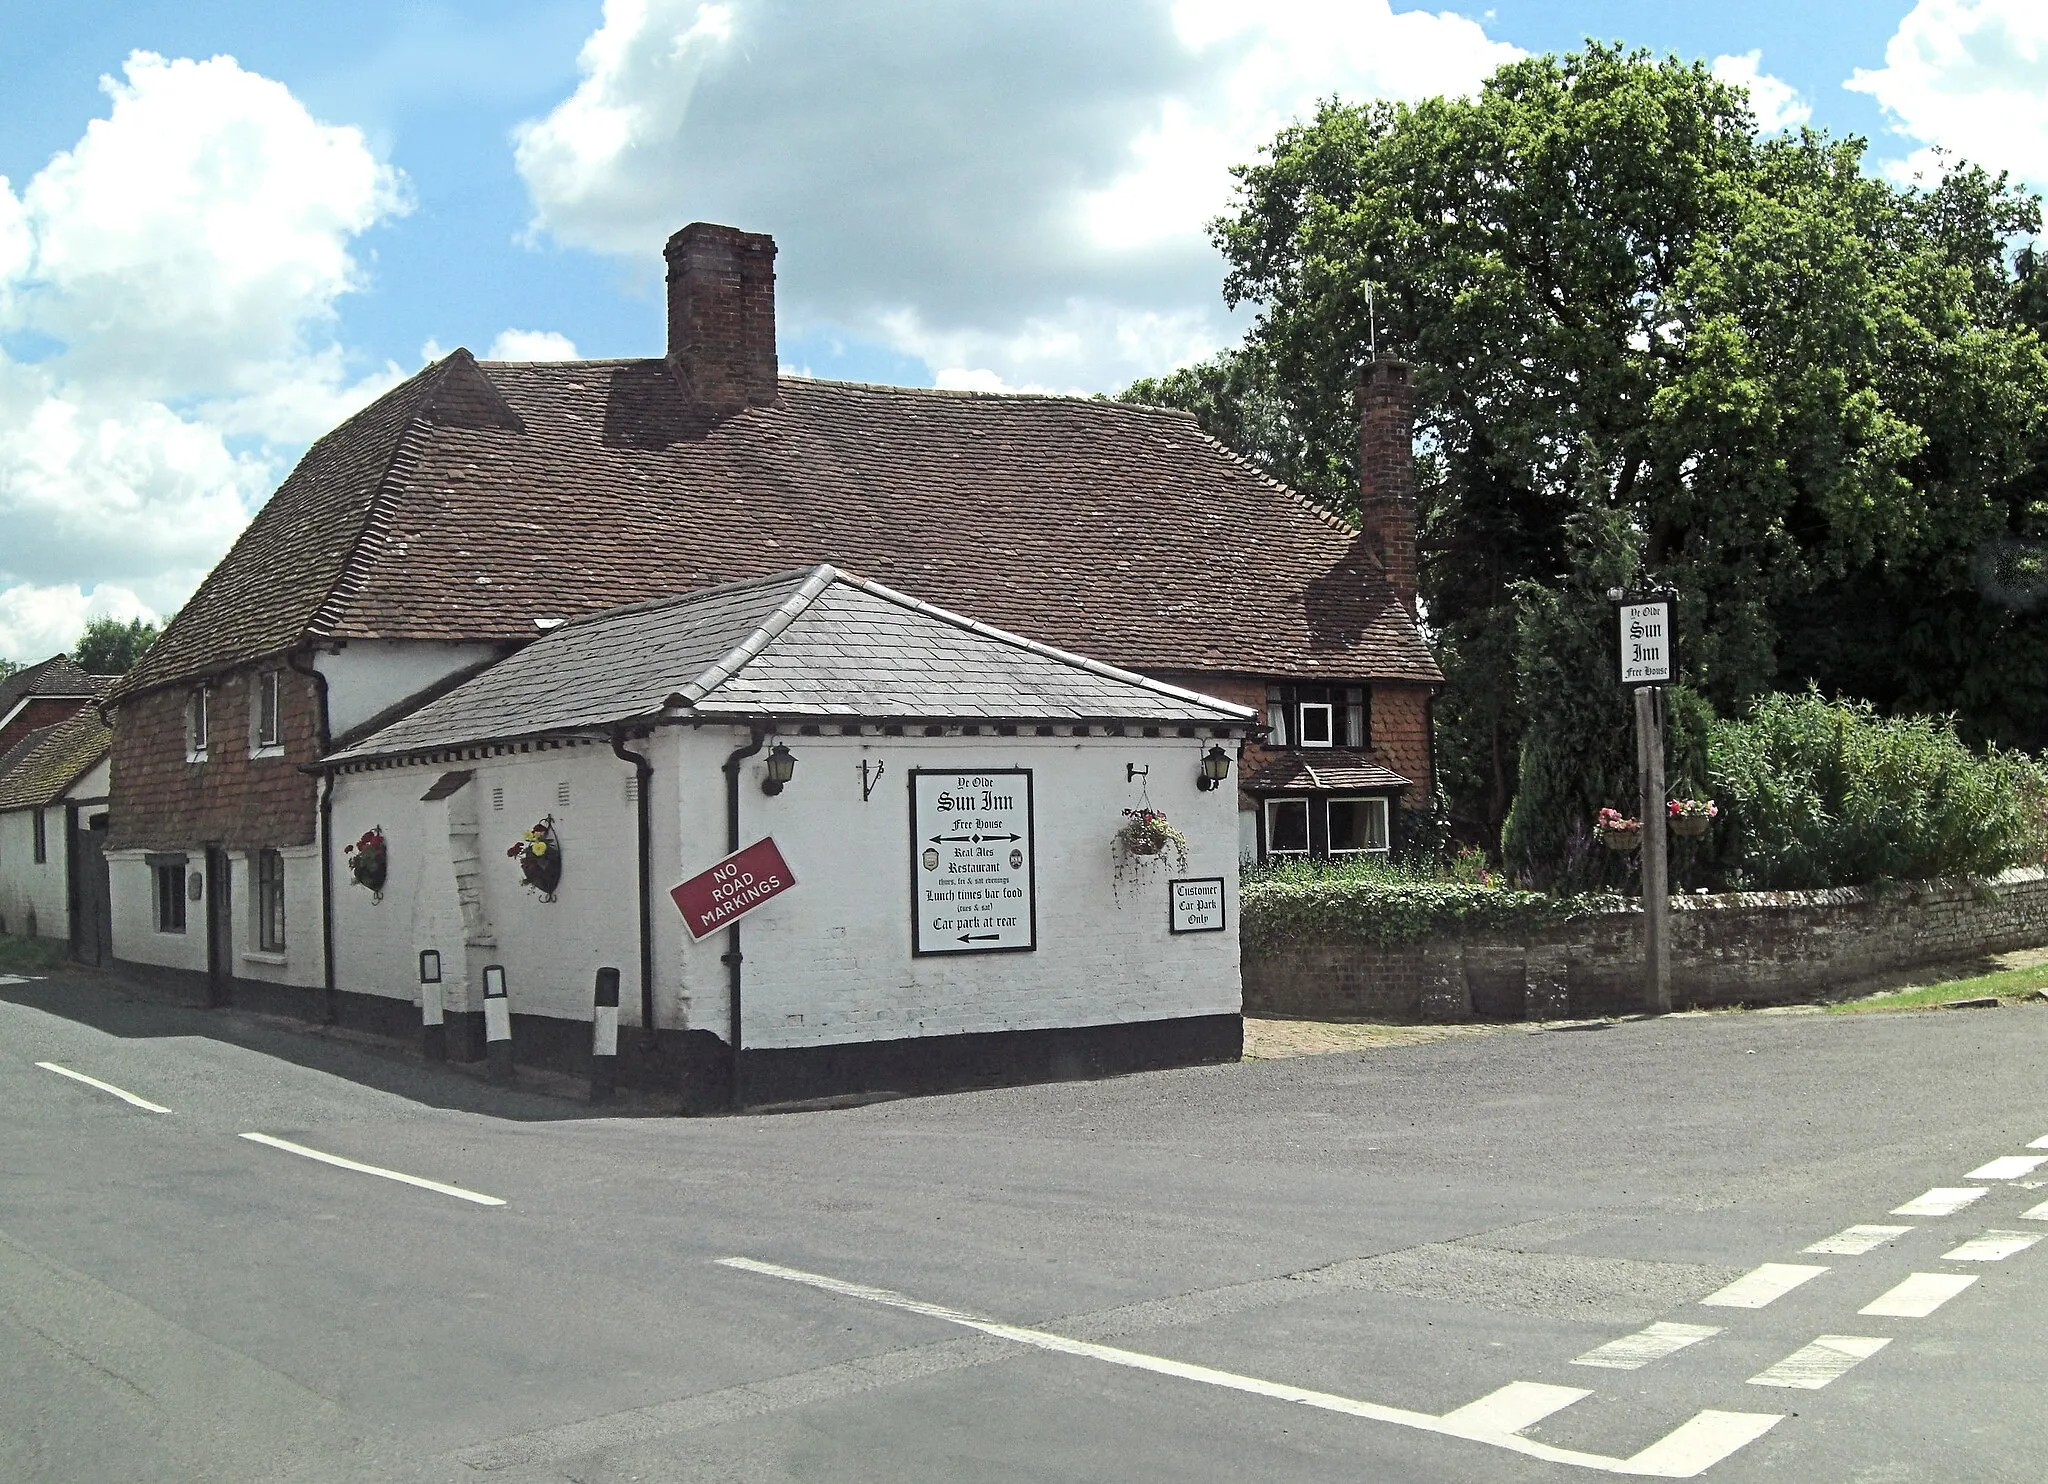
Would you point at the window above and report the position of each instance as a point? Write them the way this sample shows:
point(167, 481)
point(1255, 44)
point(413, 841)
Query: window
point(1326, 828)
point(1319, 715)
point(269, 901)
point(42, 838)
point(170, 898)
point(195, 727)
point(263, 713)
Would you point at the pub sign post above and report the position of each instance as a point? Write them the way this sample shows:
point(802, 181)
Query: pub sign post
point(1648, 661)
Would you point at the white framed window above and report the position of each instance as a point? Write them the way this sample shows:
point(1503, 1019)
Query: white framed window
point(1287, 827)
point(1323, 827)
point(1317, 729)
point(269, 902)
point(1306, 716)
point(196, 727)
point(266, 733)
point(1357, 826)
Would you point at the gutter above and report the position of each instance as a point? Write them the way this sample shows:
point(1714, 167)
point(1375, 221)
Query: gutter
point(331, 1008)
point(644, 769)
point(733, 958)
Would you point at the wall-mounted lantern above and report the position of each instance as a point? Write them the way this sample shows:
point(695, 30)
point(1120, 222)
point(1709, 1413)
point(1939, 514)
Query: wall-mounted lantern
point(781, 768)
point(1215, 768)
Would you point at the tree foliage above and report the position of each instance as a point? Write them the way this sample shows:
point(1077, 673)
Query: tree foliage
point(1812, 399)
point(110, 647)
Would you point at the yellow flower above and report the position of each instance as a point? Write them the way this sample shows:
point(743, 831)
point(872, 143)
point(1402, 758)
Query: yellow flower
point(540, 847)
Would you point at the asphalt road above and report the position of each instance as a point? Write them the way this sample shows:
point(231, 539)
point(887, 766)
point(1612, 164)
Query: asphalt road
point(1387, 1265)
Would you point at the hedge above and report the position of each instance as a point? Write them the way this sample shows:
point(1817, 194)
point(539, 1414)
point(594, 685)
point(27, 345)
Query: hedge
point(1386, 906)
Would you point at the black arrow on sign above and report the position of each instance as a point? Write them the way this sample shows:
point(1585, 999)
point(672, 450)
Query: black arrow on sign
point(979, 937)
point(979, 838)
point(952, 839)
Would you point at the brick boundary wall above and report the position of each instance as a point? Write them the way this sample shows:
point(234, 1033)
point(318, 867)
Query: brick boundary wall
point(1747, 948)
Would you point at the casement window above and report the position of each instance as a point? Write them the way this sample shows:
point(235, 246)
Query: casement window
point(1323, 827)
point(269, 902)
point(1311, 716)
point(42, 837)
point(170, 897)
point(265, 731)
point(195, 726)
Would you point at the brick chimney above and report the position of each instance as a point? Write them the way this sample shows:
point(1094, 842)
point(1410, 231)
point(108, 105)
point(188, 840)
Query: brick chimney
point(721, 316)
point(1386, 469)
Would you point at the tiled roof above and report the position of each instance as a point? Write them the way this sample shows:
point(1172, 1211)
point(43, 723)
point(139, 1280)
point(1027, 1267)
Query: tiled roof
point(475, 499)
point(816, 643)
point(52, 759)
point(55, 676)
point(1323, 771)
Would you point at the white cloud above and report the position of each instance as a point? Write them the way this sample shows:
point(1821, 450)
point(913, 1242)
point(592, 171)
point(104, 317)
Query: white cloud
point(531, 345)
point(1969, 77)
point(1776, 103)
point(176, 272)
point(1020, 191)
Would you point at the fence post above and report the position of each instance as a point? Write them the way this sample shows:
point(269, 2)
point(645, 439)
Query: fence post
point(497, 1023)
point(604, 1037)
point(433, 1007)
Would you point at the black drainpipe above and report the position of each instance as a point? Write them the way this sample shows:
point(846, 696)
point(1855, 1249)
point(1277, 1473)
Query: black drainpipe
point(732, 934)
point(645, 771)
point(331, 1007)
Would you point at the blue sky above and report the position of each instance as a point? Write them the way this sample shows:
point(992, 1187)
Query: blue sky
point(228, 223)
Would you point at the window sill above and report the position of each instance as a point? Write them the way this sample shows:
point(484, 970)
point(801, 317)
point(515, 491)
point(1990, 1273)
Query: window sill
point(275, 960)
point(274, 750)
point(195, 757)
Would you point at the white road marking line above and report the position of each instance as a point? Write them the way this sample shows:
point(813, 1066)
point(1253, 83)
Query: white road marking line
point(2008, 1167)
point(2040, 1143)
point(349, 1164)
point(1763, 1284)
point(127, 1097)
point(1854, 1241)
point(1919, 1295)
point(1992, 1247)
point(2036, 1213)
point(1943, 1200)
point(1633, 1352)
point(1684, 1453)
point(1517, 1405)
point(1813, 1367)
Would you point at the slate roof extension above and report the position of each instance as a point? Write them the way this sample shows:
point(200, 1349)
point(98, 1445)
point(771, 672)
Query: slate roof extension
point(56, 676)
point(815, 644)
point(1321, 771)
point(45, 764)
point(479, 497)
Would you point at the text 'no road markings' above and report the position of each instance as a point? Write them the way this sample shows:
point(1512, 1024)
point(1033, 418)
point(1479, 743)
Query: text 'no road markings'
point(1684, 1453)
point(1762, 1284)
point(127, 1097)
point(383, 1174)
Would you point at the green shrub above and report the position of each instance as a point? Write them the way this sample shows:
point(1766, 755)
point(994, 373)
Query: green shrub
point(1387, 904)
point(20, 955)
point(1820, 793)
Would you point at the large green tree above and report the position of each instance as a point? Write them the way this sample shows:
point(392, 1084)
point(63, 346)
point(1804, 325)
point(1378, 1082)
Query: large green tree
point(1814, 399)
point(110, 647)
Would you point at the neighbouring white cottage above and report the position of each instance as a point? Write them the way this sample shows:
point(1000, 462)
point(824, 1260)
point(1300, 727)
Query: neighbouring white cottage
point(945, 797)
point(53, 818)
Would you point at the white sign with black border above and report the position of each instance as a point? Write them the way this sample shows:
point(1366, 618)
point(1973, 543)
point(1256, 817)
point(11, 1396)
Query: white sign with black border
point(1195, 904)
point(1646, 657)
point(973, 868)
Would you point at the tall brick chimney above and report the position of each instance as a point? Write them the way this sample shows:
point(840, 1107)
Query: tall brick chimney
point(1386, 469)
point(721, 316)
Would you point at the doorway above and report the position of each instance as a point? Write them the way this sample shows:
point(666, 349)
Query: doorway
point(220, 925)
point(92, 898)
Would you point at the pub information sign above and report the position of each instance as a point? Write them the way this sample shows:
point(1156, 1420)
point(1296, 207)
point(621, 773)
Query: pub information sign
point(1646, 657)
point(973, 871)
point(1195, 904)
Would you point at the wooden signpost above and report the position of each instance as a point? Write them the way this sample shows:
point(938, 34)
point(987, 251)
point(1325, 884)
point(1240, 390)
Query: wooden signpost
point(1647, 666)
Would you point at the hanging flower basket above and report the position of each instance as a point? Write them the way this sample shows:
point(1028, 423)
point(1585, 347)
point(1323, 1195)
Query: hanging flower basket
point(539, 853)
point(368, 861)
point(1690, 818)
point(1146, 834)
point(1618, 832)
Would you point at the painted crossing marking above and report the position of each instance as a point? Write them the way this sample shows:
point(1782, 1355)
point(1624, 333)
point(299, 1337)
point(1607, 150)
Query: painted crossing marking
point(1824, 1360)
point(2008, 1167)
point(2040, 1143)
point(1854, 1241)
point(127, 1097)
point(1517, 1405)
point(1684, 1453)
point(1633, 1352)
point(2036, 1213)
point(1763, 1284)
point(362, 1169)
point(1943, 1200)
point(1919, 1295)
point(1992, 1247)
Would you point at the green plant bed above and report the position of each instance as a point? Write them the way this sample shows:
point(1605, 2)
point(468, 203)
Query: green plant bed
point(1387, 905)
point(31, 955)
point(2012, 984)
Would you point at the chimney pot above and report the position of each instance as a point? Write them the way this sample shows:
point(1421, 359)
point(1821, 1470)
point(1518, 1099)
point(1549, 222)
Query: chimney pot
point(1386, 469)
point(721, 316)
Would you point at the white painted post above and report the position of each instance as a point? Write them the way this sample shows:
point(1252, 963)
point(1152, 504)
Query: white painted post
point(604, 1037)
point(497, 1023)
point(1655, 863)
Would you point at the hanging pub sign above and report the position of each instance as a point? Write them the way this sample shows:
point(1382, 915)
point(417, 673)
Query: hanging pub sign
point(1646, 640)
point(973, 871)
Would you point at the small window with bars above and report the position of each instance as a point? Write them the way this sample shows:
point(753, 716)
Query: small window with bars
point(269, 901)
point(41, 829)
point(1316, 716)
point(195, 726)
point(264, 713)
point(170, 898)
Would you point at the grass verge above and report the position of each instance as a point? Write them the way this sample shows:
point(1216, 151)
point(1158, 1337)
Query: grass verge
point(2010, 984)
point(30, 955)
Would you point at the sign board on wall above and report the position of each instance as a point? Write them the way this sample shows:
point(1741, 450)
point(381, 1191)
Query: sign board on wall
point(1646, 657)
point(1194, 904)
point(728, 891)
point(973, 869)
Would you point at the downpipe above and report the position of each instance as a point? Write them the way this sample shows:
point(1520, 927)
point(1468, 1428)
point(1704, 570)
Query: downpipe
point(644, 769)
point(732, 957)
point(331, 998)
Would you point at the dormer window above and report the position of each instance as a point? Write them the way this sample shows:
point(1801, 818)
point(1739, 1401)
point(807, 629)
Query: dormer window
point(1316, 716)
point(195, 726)
point(266, 732)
